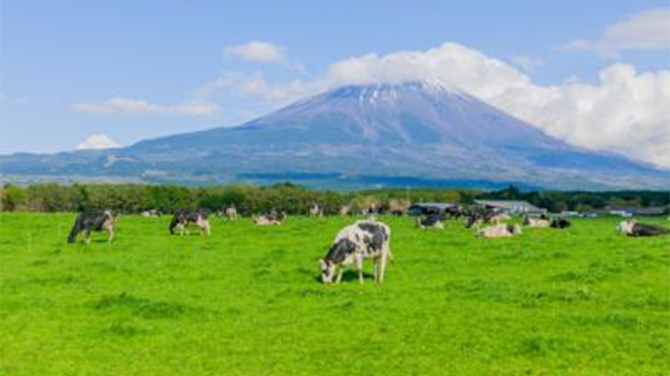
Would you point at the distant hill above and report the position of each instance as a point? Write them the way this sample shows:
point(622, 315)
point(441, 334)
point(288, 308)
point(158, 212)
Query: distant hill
point(414, 133)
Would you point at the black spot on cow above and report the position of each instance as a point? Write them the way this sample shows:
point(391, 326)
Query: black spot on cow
point(340, 250)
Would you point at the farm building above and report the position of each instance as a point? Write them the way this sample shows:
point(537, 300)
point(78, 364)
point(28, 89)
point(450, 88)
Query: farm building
point(510, 207)
point(425, 208)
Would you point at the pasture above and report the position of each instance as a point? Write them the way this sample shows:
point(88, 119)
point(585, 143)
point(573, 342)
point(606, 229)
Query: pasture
point(247, 301)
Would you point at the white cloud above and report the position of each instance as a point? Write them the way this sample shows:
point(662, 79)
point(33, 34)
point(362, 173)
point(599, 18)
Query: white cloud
point(626, 111)
point(257, 51)
point(525, 62)
point(256, 85)
point(646, 30)
point(98, 141)
point(129, 106)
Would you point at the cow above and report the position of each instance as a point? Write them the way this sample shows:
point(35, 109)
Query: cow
point(535, 222)
point(231, 212)
point(478, 217)
point(353, 244)
point(560, 223)
point(499, 231)
point(498, 218)
point(273, 218)
point(316, 211)
point(88, 221)
point(632, 228)
point(151, 213)
point(345, 210)
point(183, 218)
point(430, 221)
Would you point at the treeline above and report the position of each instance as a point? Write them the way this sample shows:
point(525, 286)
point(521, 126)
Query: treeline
point(581, 201)
point(136, 198)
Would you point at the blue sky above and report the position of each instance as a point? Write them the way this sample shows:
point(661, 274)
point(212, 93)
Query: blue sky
point(138, 69)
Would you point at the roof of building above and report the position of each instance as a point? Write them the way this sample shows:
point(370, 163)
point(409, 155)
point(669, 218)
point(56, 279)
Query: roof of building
point(439, 205)
point(509, 205)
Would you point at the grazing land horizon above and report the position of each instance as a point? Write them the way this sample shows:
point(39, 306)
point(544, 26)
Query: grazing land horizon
point(248, 300)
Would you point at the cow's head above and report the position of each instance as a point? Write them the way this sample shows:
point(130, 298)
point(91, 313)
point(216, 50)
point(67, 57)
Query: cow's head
point(328, 271)
point(626, 227)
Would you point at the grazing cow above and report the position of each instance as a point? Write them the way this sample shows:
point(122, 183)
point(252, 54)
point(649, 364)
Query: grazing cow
point(632, 228)
point(353, 244)
point(231, 212)
point(560, 223)
point(535, 222)
point(430, 221)
point(93, 221)
point(273, 218)
point(316, 211)
point(499, 231)
point(183, 218)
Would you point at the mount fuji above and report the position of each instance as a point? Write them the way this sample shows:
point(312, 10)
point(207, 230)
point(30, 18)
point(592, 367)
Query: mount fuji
point(417, 133)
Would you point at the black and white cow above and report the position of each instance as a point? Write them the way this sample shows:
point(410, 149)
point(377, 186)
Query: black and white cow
point(316, 211)
point(560, 223)
point(353, 244)
point(273, 218)
point(430, 221)
point(92, 221)
point(185, 217)
point(499, 231)
point(632, 228)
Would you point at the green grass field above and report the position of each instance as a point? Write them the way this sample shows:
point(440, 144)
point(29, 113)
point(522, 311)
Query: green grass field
point(247, 301)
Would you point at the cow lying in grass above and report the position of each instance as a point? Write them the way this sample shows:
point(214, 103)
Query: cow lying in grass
point(430, 221)
point(536, 222)
point(92, 221)
point(270, 219)
point(499, 231)
point(183, 218)
point(353, 244)
point(632, 228)
point(560, 223)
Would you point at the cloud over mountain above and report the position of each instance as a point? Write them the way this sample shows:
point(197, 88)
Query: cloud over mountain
point(626, 111)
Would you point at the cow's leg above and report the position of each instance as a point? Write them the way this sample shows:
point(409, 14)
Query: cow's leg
point(385, 253)
point(376, 269)
point(359, 266)
point(340, 271)
point(110, 234)
point(88, 236)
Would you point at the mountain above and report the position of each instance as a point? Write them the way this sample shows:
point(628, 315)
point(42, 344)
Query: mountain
point(416, 133)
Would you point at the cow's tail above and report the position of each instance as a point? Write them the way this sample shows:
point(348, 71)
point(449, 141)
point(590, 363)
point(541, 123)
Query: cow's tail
point(76, 228)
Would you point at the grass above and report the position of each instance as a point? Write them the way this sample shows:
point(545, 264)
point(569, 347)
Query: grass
point(247, 301)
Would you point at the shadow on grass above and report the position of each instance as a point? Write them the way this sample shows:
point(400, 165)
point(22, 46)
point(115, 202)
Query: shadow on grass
point(349, 276)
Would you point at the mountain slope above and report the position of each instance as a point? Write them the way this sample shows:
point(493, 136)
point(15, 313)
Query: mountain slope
point(416, 129)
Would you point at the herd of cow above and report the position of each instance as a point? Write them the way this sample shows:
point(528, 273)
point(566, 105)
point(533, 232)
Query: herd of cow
point(365, 239)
